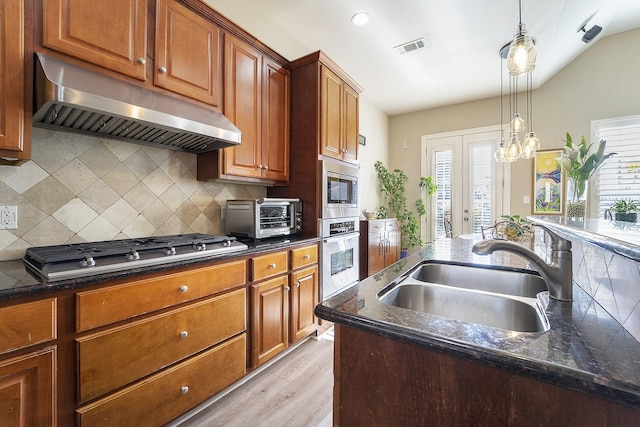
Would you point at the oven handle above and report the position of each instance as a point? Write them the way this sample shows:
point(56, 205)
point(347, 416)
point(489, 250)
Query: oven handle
point(346, 236)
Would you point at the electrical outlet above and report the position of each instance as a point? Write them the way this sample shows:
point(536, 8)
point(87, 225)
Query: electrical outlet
point(8, 217)
point(526, 200)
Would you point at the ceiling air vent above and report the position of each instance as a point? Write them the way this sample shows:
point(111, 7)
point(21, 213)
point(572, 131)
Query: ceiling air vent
point(411, 46)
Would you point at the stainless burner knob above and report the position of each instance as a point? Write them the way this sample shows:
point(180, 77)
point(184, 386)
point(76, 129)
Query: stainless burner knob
point(226, 243)
point(88, 261)
point(170, 251)
point(201, 247)
point(133, 255)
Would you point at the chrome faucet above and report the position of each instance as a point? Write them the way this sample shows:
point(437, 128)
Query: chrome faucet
point(557, 274)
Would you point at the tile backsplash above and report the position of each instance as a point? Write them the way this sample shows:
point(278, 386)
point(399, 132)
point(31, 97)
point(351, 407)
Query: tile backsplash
point(78, 188)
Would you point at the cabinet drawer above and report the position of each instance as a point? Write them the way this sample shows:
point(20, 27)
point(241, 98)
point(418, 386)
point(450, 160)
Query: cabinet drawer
point(27, 324)
point(118, 356)
point(268, 265)
point(108, 305)
point(168, 394)
point(304, 256)
point(391, 225)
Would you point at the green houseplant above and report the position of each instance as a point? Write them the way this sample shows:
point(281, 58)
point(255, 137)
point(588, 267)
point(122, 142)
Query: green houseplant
point(393, 186)
point(578, 164)
point(625, 210)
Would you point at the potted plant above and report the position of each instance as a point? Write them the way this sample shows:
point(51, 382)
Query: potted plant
point(625, 210)
point(578, 164)
point(393, 187)
point(523, 225)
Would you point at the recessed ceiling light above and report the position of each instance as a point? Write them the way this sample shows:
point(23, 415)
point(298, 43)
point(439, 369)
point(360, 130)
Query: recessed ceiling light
point(360, 18)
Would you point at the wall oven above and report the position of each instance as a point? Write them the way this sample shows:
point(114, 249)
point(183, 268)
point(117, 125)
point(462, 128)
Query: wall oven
point(339, 255)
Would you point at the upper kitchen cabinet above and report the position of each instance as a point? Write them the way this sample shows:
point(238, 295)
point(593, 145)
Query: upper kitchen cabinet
point(108, 33)
point(256, 100)
point(339, 117)
point(324, 108)
point(15, 144)
point(113, 34)
point(187, 53)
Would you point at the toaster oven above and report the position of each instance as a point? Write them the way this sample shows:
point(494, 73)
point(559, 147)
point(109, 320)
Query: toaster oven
point(263, 218)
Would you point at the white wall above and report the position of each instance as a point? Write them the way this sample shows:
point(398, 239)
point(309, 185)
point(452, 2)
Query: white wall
point(604, 82)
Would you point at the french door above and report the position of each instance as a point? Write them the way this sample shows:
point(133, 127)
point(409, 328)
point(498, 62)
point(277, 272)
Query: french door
point(471, 191)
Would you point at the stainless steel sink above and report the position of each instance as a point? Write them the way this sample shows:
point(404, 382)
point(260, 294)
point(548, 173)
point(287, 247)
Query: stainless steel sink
point(481, 279)
point(491, 297)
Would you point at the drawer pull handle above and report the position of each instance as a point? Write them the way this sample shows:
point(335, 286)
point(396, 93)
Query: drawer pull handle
point(184, 334)
point(272, 265)
point(307, 256)
point(184, 288)
point(184, 389)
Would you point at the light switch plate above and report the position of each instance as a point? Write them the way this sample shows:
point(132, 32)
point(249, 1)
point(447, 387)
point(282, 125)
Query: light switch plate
point(8, 217)
point(526, 200)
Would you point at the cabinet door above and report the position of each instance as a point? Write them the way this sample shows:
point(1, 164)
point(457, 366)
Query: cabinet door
point(392, 248)
point(350, 141)
point(27, 389)
point(376, 251)
point(331, 113)
point(12, 119)
point(270, 319)
point(108, 33)
point(275, 121)
point(304, 297)
point(242, 89)
point(187, 53)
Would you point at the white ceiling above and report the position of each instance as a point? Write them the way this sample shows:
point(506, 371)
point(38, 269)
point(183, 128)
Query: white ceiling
point(461, 62)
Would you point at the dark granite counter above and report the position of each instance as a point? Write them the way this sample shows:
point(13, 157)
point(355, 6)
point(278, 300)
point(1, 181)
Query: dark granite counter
point(16, 281)
point(585, 350)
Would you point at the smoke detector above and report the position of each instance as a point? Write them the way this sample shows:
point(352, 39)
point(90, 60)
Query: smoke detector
point(411, 46)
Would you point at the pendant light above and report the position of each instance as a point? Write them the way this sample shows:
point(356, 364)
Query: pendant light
point(522, 51)
point(531, 143)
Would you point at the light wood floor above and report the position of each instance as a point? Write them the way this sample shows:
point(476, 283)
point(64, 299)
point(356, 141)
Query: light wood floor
point(294, 391)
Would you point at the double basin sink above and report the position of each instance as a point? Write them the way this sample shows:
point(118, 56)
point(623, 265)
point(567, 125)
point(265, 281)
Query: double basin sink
point(490, 296)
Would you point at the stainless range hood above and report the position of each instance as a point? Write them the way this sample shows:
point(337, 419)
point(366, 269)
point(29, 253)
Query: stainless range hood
point(72, 99)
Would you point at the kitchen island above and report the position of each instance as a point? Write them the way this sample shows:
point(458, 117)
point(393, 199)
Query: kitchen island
point(404, 367)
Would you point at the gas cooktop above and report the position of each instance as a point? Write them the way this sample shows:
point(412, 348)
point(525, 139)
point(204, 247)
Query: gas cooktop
point(86, 259)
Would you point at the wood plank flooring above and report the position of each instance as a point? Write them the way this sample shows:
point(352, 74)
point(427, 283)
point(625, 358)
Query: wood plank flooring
point(294, 391)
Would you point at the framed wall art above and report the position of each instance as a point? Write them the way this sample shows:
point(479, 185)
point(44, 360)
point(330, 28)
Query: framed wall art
point(548, 184)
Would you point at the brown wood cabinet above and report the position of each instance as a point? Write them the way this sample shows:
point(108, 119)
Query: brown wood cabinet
point(379, 245)
point(257, 101)
point(108, 33)
point(283, 306)
point(324, 122)
point(15, 126)
point(187, 45)
point(28, 381)
point(187, 57)
point(339, 117)
point(27, 389)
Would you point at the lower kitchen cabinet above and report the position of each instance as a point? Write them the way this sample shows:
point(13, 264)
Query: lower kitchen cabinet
point(27, 389)
point(171, 392)
point(379, 245)
point(283, 307)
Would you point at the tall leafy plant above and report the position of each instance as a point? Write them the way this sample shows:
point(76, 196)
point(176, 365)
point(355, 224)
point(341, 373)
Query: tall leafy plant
point(393, 186)
point(578, 162)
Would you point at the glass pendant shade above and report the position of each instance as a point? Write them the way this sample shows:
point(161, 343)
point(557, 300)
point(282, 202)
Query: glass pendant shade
point(501, 153)
point(514, 149)
point(522, 53)
point(517, 124)
point(532, 140)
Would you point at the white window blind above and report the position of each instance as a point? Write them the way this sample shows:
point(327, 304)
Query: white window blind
point(619, 176)
point(482, 170)
point(442, 167)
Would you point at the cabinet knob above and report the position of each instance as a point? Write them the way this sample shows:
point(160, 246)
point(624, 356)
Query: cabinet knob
point(184, 334)
point(184, 288)
point(266, 167)
point(162, 69)
point(142, 61)
point(287, 288)
point(272, 265)
point(297, 284)
point(184, 389)
point(259, 166)
point(307, 256)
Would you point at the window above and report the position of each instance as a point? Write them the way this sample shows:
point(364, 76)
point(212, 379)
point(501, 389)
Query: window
point(619, 176)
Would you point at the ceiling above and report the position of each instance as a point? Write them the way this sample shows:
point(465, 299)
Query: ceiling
point(463, 37)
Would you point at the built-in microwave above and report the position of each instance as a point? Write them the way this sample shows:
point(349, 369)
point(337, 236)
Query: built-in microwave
point(339, 189)
point(263, 218)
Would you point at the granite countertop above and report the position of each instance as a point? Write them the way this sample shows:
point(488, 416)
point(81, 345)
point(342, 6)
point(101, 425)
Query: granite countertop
point(585, 350)
point(16, 281)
